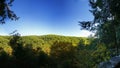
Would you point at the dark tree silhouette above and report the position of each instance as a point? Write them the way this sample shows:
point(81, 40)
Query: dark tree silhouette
point(6, 12)
point(106, 22)
point(26, 56)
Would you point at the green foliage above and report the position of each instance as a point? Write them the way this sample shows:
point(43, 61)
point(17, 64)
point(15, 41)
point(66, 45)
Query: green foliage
point(100, 54)
point(64, 54)
point(23, 51)
point(106, 22)
point(52, 51)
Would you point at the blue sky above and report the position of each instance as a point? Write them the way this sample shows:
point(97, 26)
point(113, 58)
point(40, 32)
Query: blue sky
point(41, 17)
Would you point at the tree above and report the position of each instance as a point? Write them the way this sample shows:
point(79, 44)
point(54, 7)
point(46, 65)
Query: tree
point(6, 12)
point(64, 55)
point(106, 21)
point(100, 54)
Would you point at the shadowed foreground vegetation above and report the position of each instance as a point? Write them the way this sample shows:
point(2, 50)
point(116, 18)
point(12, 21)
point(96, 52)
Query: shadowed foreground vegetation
point(51, 51)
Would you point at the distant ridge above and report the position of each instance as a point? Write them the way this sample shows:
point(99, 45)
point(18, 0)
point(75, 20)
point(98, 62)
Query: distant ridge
point(55, 35)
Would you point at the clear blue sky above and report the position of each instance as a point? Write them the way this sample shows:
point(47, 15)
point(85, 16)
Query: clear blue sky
point(41, 17)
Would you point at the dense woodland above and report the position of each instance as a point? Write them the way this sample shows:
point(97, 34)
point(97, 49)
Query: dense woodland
point(53, 51)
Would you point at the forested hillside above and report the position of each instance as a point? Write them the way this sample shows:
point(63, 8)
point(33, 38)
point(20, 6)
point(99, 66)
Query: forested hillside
point(51, 51)
point(44, 42)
